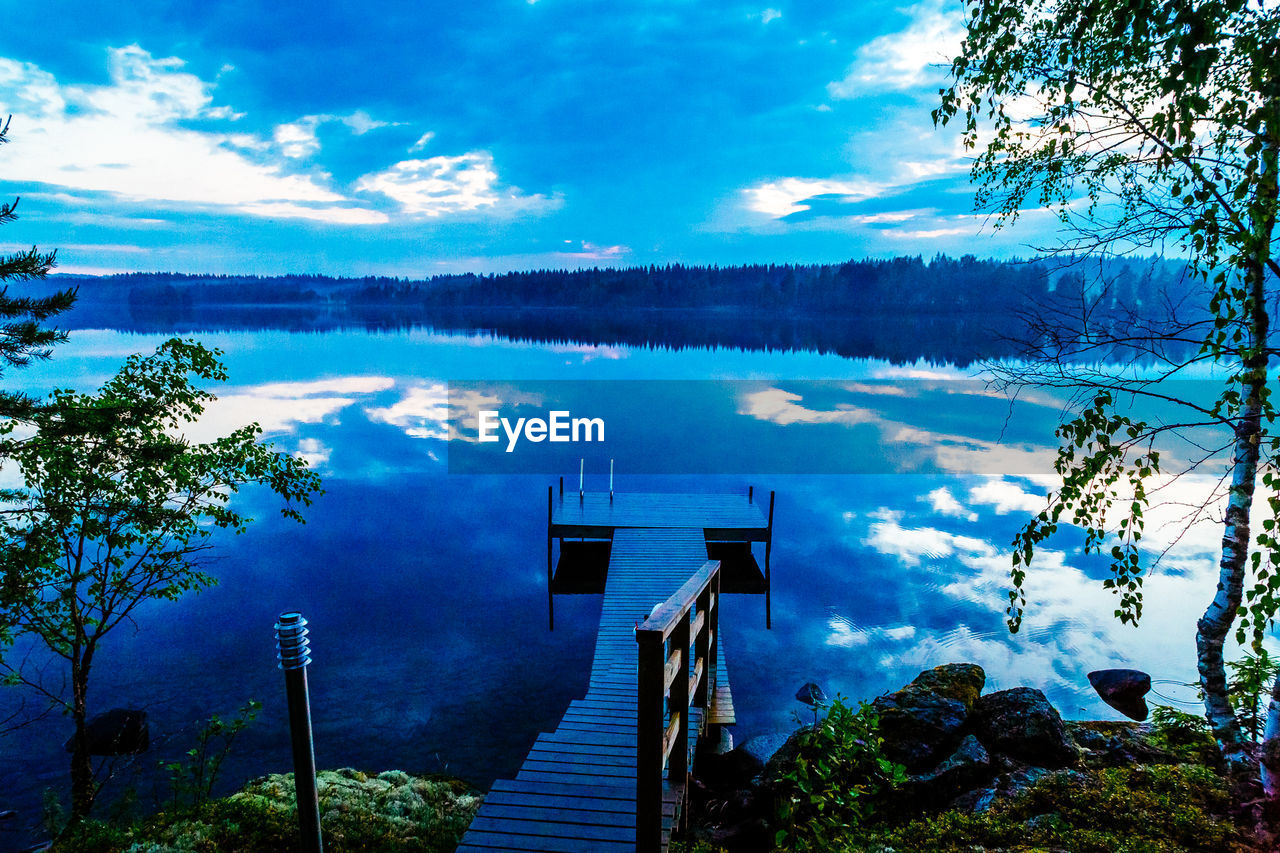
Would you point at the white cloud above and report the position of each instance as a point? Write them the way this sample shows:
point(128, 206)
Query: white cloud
point(784, 408)
point(297, 139)
point(422, 142)
point(331, 214)
point(132, 138)
point(912, 545)
point(844, 634)
point(917, 371)
point(770, 15)
point(907, 58)
point(913, 447)
point(945, 503)
point(438, 186)
point(278, 415)
point(127, 138)
point(592, 252)
point(929, 233)
point(1005, 497)
point(786, 196)
point(280, 407)
point(422, 413)
point(360, 122)
point(315, 451)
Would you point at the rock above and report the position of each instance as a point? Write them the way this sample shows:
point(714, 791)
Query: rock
point(1007, 785)
point(1117, 744)
point(1021, 723)
point(734, 769)
point(917, 729)
point(811, 694)
point(960, 681)
point(782, 760)
point(764, 747)
point(965, 769)
point(717, 739)
point(923, 721)
point(1123, 689)
point(120, 731)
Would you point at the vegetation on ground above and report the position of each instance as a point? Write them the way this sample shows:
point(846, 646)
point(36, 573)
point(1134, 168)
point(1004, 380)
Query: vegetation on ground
point(387, 812)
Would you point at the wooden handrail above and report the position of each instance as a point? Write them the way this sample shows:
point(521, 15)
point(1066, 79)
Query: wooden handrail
point(663, 618)
point(664, 697)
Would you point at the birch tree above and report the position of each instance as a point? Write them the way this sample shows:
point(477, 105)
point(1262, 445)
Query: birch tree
point(1146, 126)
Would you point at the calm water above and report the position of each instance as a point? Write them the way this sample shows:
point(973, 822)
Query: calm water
point(426, 590)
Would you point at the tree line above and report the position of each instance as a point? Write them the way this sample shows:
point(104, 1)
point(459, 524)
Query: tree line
point(942, 284)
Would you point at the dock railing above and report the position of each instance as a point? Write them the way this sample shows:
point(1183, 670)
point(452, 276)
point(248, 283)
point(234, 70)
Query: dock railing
point(685, 625)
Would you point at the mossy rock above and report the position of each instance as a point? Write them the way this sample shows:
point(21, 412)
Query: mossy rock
point(392, 811)
point(960, 681)
point(923, 722)
point(1022, 723)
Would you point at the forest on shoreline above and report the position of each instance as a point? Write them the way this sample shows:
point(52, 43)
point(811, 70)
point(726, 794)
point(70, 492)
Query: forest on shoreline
point(956, 310)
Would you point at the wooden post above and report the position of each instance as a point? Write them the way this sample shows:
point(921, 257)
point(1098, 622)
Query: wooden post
point(678, 703)
point(751, 493)
point(768, 580)
point(713, 640)
point(649, 732)
point(551, 598)
point(701, 644)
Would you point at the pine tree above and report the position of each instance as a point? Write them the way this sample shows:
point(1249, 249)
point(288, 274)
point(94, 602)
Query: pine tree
point(23, 337)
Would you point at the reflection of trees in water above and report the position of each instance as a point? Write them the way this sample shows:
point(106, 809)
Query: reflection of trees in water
point(958, 339)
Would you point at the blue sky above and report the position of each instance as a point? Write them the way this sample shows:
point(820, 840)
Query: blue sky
point(401, 138)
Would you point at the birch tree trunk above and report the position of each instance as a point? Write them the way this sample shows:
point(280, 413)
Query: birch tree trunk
point(1213, 627)
point(1216, 623)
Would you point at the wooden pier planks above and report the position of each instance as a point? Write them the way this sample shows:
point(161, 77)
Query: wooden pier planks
point(656, 510)
point(576, 790)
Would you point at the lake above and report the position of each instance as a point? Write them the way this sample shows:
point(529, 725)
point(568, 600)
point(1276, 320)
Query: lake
point(899, 488)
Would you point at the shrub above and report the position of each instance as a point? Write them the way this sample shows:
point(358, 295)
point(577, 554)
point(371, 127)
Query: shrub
point(838, 775)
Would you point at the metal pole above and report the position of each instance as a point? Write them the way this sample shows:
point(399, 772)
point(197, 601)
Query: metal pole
point(294, 654)
point(551, 599)
point(582, 470)
point(610, 479)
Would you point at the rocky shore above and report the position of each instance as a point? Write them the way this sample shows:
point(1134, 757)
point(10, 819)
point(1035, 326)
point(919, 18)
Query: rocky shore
point(937, 766)
point(946, 767)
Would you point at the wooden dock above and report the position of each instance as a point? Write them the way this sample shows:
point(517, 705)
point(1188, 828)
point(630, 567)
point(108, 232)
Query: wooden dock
point(611, 777)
